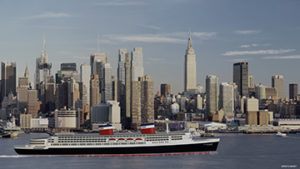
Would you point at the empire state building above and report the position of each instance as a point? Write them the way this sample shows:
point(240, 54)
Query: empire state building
point(190, 67)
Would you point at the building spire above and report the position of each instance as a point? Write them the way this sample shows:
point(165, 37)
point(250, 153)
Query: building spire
point(190, 40)
point(97, 43)
point(44, 44)
point(44, 58)
point(26, 74)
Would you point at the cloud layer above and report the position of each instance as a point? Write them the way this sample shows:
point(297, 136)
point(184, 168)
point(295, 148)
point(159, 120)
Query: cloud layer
point(246, 32)
point(50, 15)
point(282, 57)
point(254, 45)
point(259, 52)
point(147, 38)
point(175, 37)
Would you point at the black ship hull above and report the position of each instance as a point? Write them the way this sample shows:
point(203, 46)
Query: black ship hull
point(186, 148)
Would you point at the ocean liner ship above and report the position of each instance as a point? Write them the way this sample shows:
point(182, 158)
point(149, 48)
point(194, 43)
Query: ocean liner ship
point(107, 143)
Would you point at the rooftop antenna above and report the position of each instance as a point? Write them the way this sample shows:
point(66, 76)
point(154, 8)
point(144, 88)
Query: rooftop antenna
point(97, 43)
point(190, 39)
point(44, 43)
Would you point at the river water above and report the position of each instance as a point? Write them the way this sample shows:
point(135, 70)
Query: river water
point(235, 151)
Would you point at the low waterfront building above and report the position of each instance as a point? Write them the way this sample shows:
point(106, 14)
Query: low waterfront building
point(251, 118)
point(288, 123)
point(107, 113)
point(215, 126)
point(65, 119)
point(263, 118)
point(258, 118)
point(251, 105)
point(39, 123)
point(25, 121)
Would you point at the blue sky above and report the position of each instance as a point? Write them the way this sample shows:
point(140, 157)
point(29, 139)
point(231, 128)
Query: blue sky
point(264, 33)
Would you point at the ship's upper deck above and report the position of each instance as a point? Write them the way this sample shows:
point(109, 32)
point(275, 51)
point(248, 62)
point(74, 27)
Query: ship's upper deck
point(120, 134)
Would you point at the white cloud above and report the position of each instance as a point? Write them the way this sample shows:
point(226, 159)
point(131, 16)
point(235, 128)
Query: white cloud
point(147, 38)
point(259, 52)
point(246, 32)
point(204, 35)
point(254, 45)
point(175, 37)
point(120, 3)
point(249, 45)
point(239, 60)
point(200, 35)
point(245, 46)
point(282, 57)
point(50, 15)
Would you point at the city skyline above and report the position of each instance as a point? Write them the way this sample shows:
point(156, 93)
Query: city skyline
point(267, 40)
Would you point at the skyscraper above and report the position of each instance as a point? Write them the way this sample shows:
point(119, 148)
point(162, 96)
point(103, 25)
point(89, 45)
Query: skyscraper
point(212, 94)
point(26, 73)
point(43, 64)
point(98, 67)
point(94, 91)
point(73, 93)
point(260, 91)
point(190, 78)
point(98, 70)
point(121, 74)
point(250, 81)
point(227, 98)
point(147, 99)
point(49, 99)
point(33, 103)
point(106, 83)
point(27, 97)
point(271, 92)
point(85, 77)
point(126, 115)
point(114, 88)
point(278, 84)
point(137, 67)
point(24, 81)
point(69, 70)
point(142, 101)
point(22, 94)
point(240, 77)
point(100, 57)
point(165, 89)
point(293, 89)
point(136, 108)
point(61, 94)
point(8, 79)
